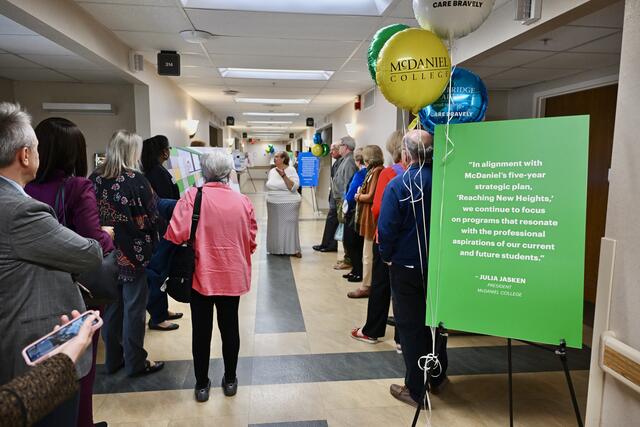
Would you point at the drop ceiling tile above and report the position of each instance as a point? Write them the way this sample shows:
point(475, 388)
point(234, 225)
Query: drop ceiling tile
point(119, 17)
point(72, 62)
point(611, 16)
point(7, 26)
point(577, 60)
point(404, 9)
point(535, 75)
point(512, 58)
point(483, 72)
point(33, 74)
point(609, 44)
point(278, 62)
point(154, 41)
point(283, 25)
point(356, 65)
point(566, 37)
point(280, 46)
point(8, 60)
point(302, 84)
point(358, 86)
point(36, 45)
point(411, 22)
point(361, 76)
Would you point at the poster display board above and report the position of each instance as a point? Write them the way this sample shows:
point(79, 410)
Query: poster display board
point(308, 169)
point(507, 230)
point(185, 168)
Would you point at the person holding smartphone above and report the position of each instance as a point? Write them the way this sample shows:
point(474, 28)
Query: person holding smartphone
point(28, 398)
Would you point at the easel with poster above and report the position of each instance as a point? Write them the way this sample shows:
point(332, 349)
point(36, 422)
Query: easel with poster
point(507, 233)
point(185, 168)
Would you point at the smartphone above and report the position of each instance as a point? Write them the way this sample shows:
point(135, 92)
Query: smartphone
point(51, 343)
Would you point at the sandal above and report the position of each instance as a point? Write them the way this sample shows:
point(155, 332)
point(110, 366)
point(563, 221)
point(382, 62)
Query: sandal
point(149, 368)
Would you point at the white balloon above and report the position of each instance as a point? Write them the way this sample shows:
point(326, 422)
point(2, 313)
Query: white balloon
point(452, 19)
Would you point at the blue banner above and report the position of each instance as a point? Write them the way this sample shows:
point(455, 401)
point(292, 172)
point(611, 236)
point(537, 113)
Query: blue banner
point(308, 169)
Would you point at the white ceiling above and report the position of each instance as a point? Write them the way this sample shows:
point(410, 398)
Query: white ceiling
point(26, 55)
point(252, 39)
point(586, 44)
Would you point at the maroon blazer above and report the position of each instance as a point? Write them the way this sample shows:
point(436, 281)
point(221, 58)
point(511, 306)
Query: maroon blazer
point(80, 206)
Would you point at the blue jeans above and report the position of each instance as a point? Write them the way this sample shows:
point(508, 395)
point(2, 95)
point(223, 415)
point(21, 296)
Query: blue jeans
point(124, 327)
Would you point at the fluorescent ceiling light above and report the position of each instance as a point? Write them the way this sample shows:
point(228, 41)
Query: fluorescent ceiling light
point(268, 127)
point(273, 100)
point(272, 114)
point(267, 122)
point(325, 7)
point(259, 73)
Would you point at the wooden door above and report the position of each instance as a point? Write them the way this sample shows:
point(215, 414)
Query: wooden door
point(600, 105)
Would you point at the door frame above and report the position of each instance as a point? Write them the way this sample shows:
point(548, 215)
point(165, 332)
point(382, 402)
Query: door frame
point(539, 98)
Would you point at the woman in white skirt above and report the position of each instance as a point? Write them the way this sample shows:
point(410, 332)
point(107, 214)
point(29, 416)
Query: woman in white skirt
point(283, 206)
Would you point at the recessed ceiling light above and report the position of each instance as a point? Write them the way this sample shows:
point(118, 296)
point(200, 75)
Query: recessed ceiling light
point(267, 122)
point(196, 36)
point(273, 100)
point(281, 128)
point(272, 114)
point(258, 73)
point(325, 7)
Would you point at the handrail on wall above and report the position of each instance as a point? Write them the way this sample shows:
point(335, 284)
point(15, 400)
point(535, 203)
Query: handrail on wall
point(620, 361)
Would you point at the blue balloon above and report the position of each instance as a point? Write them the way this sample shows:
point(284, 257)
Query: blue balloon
point(317, 138)
point(469, 101)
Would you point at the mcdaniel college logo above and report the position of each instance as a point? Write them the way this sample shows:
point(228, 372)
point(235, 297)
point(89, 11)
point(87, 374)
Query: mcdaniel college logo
point(435, 67)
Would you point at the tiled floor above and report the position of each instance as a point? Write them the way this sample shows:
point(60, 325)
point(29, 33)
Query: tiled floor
point(299, 367)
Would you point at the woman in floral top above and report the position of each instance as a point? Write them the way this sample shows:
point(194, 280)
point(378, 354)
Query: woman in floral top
point(128, 204)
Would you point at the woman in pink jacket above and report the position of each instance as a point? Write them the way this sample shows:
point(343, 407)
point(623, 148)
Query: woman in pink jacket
point(225, 240)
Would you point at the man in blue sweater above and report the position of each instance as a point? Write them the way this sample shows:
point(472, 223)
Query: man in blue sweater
point(403, 233)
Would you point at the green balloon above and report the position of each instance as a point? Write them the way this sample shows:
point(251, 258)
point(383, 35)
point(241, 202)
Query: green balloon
point(325, 150)
point(377, 43)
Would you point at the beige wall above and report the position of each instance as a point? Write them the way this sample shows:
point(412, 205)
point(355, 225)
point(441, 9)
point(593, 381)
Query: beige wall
point(620, 405)
point(97, 128)
point(6, 90)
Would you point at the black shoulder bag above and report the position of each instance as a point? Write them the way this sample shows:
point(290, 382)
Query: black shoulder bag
point(183, 263)
point(99, 286)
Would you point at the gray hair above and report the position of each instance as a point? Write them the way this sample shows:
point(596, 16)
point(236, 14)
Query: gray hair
point(349, 142)
point(419, 144)
point(123, 153)
point(216, 166)
point(15, 132)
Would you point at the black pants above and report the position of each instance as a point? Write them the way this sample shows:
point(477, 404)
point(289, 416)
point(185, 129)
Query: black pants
point(202, 326)
point(407, 288)
point(353, 243)
point(330, 227)
point(66, 414)
point(379, 299)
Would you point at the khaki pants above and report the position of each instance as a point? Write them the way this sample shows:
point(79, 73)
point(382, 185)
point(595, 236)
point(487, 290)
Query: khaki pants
point(367, 263)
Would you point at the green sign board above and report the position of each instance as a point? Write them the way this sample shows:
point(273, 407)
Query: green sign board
point(507, 234)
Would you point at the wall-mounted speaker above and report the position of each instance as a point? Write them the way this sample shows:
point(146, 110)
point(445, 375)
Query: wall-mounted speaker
point(291, 136)
point(136, 62)
point(231, 121)
point(310, 121)
point(244, 135)
point(168, 63)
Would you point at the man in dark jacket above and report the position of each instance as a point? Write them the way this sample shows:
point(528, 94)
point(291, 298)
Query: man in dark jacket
point(329, 243)
point(403, 233)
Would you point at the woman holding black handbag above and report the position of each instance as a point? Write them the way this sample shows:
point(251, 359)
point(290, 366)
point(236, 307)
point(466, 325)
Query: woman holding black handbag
point(60, 182)
point(225, 238)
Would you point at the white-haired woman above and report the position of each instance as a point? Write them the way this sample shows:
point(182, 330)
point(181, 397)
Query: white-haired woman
point(225, 240)
point(283, 207)
point(127, 203)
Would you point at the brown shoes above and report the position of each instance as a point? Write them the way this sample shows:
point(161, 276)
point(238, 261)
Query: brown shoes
point(401, 393)
point(359, 293)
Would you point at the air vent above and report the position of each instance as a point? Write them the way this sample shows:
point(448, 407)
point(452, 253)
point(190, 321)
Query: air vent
point(231, 92)
point(369, 99)
point(528, 11)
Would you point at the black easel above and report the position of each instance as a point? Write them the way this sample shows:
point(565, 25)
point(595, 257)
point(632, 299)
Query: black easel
point(560, 351)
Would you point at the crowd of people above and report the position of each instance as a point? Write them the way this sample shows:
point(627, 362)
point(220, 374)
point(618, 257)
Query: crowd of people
point(62, 226)
point(384, 216)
